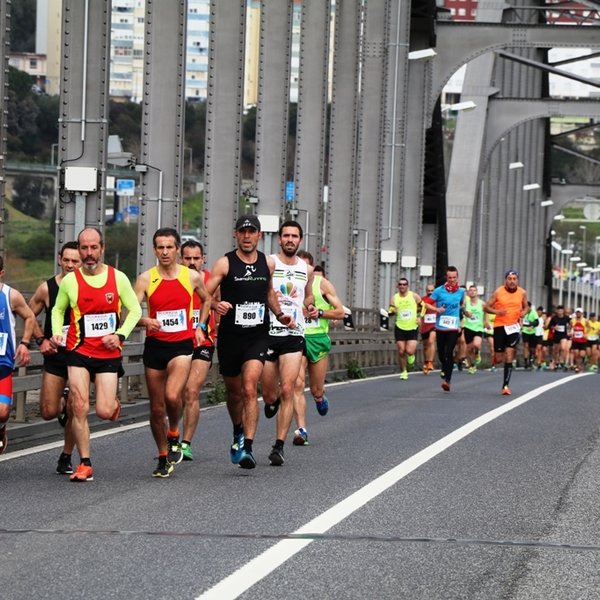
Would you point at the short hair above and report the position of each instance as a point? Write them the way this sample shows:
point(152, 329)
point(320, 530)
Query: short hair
point(319, 269)
point(307, 255)
point(166, 232)
point(451, 268)
point(191, 244)
point(1, 263)
point(91, 229)
point(291, 223)
point(68, 246)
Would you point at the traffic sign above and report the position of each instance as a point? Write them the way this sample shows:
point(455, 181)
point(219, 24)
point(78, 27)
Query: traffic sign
point(290, 191)
point(125, 187)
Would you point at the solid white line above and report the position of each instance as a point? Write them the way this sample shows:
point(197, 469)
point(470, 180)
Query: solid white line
point(264, 564)
point(59, 444)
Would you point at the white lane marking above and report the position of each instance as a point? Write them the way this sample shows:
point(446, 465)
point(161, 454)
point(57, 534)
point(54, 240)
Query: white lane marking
point(60, 443)
point(264, 564)
point(138, 425)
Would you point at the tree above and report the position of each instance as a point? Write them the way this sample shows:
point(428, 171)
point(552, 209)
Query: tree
point(22, 25)
point(31, 195)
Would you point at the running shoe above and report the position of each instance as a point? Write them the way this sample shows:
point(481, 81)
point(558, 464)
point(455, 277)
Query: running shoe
point(117, 412)
point(472, 370)
point(506, 391)
point(410, 359)
point(175, 455)
point(247, 460)
point(478, 360)
point(186, 450)
point(271, 409)
point(426, 369)
point(404, 375)
point(163, 469)
point(237, 448)
point(3, 440)
point(64, 466)
point(276, 457)
point(445, 386)
point(83, 473)
point(301, 437)
point(322, 406)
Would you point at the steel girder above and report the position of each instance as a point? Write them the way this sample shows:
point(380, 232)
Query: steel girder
point(4, 47)
point(272, 107)
point(83, 121)
point(223, 124)
point(367, 205)
point(342, 147)
point(459, 43)
point(311, 123)
point(163, 109)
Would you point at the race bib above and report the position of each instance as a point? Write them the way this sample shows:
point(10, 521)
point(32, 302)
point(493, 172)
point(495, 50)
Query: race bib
point(559, 328)
point(510, 329)
point(196, 317)
point(286, 309)
point(99, 325)
point(429, 318)
point(65, 331)
point(448, 322)
point(473, 318)
point(405, 315)
point(578, 335)
point(310, 323)
point(3, 342)
point(249, 314)
point(172, 321)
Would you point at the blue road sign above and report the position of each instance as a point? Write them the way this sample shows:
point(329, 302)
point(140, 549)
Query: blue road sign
point(290, 191)
point(125, 187)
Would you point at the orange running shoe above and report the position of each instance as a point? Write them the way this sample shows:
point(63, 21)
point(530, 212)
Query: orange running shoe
point(445, 386)
point(506, 391)
point(83, 473)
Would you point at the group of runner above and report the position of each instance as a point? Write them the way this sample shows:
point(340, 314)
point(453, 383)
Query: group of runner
point(272, 315)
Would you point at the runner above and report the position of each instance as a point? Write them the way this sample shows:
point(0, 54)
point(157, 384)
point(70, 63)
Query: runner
point(316, 355)
point(245, 277)
point(449, 299)
point(12, 354)
point(427, 330)
point(509, 304)
point(473, 327)
point(286, 346)
point(170, 332)
point(407, 307)
point(530, 323)
point(579, 343)
point(53, 394)
point(96, 293)
point(192, 256)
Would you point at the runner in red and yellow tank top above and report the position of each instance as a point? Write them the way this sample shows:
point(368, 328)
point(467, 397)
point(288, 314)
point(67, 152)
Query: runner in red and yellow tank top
point(169, 289)
point(192, 256)
point(509, 304)
point(95, 293)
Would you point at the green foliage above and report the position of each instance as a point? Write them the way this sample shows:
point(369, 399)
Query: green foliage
point(31, 195)
point(121, 248)
point(218, 394)
point(22, 25)
point(29, 246)
point(354, 369)
point(191, 214)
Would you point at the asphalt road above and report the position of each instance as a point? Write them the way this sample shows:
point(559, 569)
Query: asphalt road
point(405, 491)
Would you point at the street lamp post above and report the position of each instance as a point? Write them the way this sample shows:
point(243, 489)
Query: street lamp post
point(574, 260)
point(583, 257)
point(563, 269)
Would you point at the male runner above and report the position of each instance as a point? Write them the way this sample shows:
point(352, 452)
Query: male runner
point(406, 305)
point(473, 327)
point(192, 256)
point(244, 275)
point(96, 293)
point(427, 330)
point(12, 354)
point(317, 346)
point(169, 289)
point(54, 375)
point(509, 304)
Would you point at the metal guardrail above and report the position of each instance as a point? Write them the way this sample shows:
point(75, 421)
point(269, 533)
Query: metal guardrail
point(363, 346)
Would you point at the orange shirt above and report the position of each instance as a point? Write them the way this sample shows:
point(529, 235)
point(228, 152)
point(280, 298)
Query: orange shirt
point(512, 303)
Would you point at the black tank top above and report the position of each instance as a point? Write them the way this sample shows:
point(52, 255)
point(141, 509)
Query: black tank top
point(246, 287)
point(52, 293)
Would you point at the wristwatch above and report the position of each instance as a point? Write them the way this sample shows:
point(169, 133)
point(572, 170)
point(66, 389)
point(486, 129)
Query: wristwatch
point(40, 340)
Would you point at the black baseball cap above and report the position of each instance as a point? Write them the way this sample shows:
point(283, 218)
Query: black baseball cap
point(247, 221)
